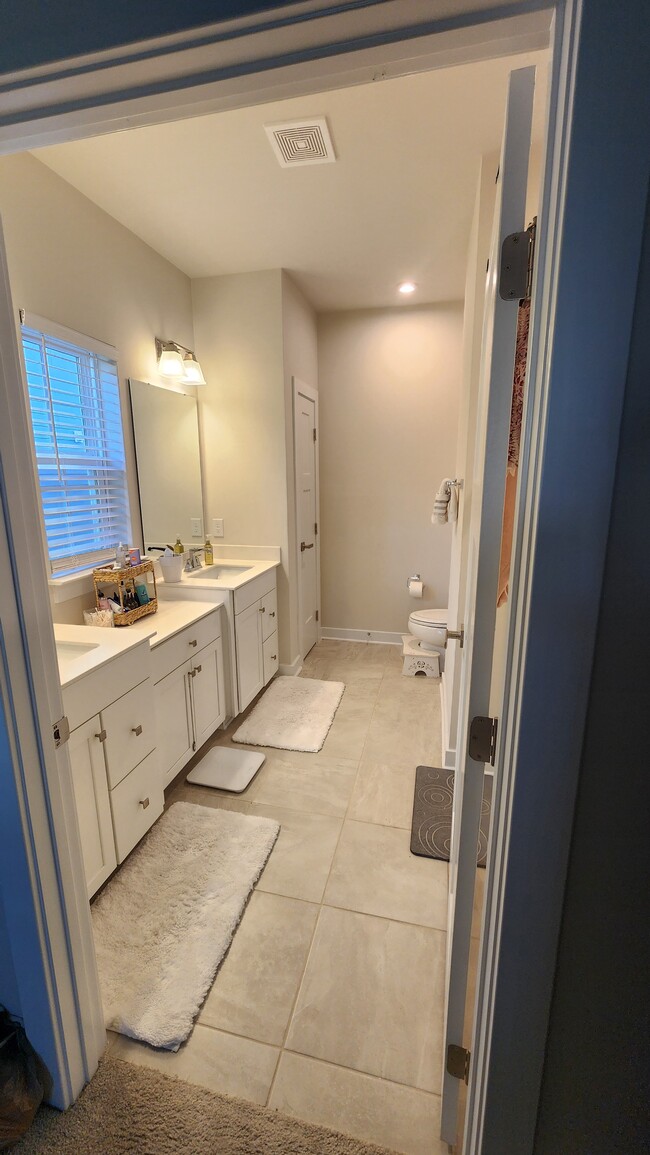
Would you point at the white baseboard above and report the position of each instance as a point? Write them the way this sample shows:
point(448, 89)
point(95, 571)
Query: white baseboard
point(292, 670)
point(448, 754)
point(376, 637)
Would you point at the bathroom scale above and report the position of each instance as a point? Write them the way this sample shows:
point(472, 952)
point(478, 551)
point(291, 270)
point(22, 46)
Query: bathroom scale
point(225, 768)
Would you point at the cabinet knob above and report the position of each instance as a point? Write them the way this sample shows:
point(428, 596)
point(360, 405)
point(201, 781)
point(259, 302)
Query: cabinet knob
point(193, 642)
point(144, 802)
point(272, 614)
point(262, 609)
point(101, 736)
point(197, 669)
point(274, 657)
point(137, 730)
point(191, 673)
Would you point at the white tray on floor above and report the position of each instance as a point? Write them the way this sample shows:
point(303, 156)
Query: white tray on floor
point(225, 768)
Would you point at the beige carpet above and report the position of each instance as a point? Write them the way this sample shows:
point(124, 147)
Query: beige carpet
point(129, 1110)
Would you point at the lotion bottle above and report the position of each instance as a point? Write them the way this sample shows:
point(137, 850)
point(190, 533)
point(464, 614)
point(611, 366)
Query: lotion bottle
point(208, 552)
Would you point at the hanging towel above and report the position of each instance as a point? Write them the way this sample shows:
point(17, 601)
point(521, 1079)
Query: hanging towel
point(445, 505)
point(516, 411)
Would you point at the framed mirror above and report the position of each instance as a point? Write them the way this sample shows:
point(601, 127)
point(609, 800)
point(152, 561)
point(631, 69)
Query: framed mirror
point(168, 458)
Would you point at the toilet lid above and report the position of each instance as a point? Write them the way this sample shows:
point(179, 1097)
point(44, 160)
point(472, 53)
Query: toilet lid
point(429, 617)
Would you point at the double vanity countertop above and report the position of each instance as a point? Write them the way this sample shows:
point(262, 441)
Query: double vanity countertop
point(81, 649)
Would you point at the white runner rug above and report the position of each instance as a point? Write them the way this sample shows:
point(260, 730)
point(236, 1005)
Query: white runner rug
point(167, 918)
point(293, 714)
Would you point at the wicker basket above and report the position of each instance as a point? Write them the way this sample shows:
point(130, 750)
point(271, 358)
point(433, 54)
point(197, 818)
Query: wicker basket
point(122, 579)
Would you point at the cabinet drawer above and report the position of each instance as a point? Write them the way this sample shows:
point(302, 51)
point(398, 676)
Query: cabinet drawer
point(136, 803)
point(271, 660)
point(130, 727)
point(172, 653)
point(253, 591)
point(269, 615)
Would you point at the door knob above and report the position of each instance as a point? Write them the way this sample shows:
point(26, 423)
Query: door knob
point(303, 547)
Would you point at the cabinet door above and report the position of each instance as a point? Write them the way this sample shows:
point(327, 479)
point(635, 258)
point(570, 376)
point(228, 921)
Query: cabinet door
point(172, 723)
point(92, 802)
point(248, 642)
point(207, 690)
point(270, 650)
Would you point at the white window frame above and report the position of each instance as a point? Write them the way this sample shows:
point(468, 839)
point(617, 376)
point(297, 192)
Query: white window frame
point(66, 570)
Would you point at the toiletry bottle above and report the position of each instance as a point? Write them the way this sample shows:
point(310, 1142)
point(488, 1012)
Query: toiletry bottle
point(178, 546)
point(120, 556)
point(208, 552)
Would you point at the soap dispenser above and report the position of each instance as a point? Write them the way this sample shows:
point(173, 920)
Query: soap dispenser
point(179, 548)
point(208, 552)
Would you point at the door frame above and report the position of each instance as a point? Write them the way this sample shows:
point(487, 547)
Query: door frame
point(514, 1009)
point(308, 391)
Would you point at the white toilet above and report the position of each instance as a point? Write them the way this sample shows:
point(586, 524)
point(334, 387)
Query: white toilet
point(429, 635)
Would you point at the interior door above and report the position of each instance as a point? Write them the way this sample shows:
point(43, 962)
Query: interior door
point(493, 426)
point(307, 514)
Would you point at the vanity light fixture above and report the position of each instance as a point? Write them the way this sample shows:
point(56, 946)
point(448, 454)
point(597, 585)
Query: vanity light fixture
point(178, 362)
point(407, 287)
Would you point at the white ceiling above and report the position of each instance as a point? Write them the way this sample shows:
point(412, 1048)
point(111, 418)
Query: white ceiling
point(209, 195)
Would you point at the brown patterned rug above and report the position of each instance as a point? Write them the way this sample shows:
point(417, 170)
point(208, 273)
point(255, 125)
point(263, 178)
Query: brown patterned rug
point(432, 810)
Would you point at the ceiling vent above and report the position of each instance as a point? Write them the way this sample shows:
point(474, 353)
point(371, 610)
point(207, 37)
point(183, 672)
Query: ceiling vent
point(300, 142)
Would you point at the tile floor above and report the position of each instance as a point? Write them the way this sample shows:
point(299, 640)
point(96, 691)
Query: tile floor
point(329, 1004)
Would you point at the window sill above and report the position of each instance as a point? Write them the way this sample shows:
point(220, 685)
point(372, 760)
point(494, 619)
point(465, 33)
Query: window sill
point(74, 585)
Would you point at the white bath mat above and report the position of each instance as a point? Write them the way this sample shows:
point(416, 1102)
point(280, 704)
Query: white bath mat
point(293, 714)
point(166, 919)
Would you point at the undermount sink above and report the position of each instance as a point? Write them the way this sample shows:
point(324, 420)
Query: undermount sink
point(215, 573)
point(66, 651)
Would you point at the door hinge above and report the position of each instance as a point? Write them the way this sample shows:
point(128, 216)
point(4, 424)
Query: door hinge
point(317, 615)
point(314, 432)
point(517, 263)
point(483, 739)
point(458, 1062)
point(60, 731)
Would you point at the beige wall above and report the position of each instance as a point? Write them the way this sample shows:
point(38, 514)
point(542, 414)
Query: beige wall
point(239, 342)
point(389, 392)
point(70, 262)
point(300, 361)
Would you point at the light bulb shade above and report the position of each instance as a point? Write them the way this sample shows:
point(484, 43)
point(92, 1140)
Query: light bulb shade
point(192, 370)
point(170, 362)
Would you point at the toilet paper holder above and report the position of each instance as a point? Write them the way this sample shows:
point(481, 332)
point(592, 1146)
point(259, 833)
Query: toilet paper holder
point(415, 577)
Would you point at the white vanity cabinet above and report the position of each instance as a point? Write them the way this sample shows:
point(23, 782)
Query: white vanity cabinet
point(256, 636)
point(189, 691)
point(113, 757)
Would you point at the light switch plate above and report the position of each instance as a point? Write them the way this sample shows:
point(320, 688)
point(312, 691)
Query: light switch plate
point(217, 526)
point(197, 526)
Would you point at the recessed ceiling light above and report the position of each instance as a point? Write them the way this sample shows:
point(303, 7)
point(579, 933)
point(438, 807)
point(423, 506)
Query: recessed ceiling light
point(407, 287)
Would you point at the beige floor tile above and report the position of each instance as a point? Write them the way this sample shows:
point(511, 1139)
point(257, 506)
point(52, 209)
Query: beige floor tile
point(383, 794)
point(205, 796)
point(404, 725)
point(370, 1109)
point(212, 1059)
point(300, 784)
point(372, 998)
point(255, 988)
point(347, 735)
point(374, 872)
point(302, 856)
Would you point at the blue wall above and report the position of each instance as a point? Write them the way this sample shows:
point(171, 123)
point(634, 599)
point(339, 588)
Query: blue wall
point(39, 31)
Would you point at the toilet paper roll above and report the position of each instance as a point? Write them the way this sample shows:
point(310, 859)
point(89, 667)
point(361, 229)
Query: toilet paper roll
point(415, 588)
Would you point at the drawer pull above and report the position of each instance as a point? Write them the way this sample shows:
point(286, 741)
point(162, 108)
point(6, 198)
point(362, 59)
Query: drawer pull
point(191, 673)
point(137, 730)
point(193, 642)
point(262, 609)
point(144, 802)
point(274, 657)
point(197, 669)
point(272, 614)
point(101, 736)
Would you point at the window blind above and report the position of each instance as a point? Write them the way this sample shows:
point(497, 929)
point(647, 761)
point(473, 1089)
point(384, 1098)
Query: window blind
point(76, 419)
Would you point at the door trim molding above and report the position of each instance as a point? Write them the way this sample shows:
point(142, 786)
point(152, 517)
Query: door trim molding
point(307, 391)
